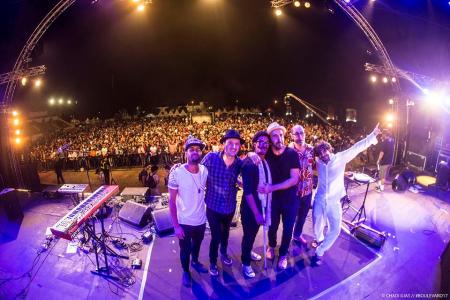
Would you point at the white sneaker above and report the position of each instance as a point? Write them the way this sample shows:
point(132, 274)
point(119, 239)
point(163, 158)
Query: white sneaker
point(255, 256)
point(248, 271)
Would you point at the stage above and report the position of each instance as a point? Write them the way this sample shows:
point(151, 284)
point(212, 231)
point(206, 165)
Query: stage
point(417, 226)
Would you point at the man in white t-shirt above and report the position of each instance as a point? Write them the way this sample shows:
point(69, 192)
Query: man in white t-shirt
point(187, 206)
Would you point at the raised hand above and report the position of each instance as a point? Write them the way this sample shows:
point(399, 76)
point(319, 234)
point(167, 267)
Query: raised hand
point(376, 130)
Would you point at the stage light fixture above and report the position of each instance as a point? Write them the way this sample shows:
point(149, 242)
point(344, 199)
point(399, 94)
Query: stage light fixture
point(278, 12)
point(307, 4)
point(347, 1)
point(60, 101)
point(24, 81)
point(15, 113)
point(17, 132)
point(16, 121)
point(37, 82)
point(391, 101)
point(140, 7)
point(18, 140)
point(385, 80)
point(373, 78)
point(69, 101)
point(393, 79)
point(51, 101)
point(297, 3)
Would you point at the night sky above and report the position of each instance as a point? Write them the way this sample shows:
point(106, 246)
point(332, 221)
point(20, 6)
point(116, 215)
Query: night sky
point(107, 56)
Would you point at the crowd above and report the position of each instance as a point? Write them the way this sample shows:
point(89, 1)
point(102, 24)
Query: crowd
point(143, 141)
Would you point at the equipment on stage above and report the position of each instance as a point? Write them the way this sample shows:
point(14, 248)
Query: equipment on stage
point(357, 179)
point(73, 190)
point(369, 236)
point(403, 180)
point(162, 221)
point(135, 213)
point(69, 224)
point(159, 202)
point(10, 201)
point(138, 194)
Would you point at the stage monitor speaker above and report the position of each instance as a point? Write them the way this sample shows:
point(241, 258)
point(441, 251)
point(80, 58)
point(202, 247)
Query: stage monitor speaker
point(370, 236)
point(135, 213)
point(10, 201)
point(162, 221)
point(443, 175)
point(403, 181)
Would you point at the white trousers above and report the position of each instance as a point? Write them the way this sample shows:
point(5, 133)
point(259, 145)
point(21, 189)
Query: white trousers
point(324, 213)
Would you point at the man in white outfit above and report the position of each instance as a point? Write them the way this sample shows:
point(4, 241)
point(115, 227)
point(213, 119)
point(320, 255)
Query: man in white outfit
point(330, 190)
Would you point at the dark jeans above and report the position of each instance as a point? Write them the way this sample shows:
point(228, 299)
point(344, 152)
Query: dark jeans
point(59, 177)
point(287, 211)
point(220, 231)
point(190, 245)
point(303, 209)
point(250, 229)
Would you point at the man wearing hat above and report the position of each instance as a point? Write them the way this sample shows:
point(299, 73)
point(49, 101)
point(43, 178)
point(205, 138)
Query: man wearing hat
point(221, 188)
point(284, 168)
point(187, 207)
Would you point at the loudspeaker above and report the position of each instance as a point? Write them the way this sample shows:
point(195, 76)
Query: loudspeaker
point(443, 175)
point(403, 181)
point(10, 201)
point(369, 236)
point(135, 213)
point(162, 220)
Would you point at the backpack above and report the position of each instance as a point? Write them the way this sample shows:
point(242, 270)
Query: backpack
point(151, 182)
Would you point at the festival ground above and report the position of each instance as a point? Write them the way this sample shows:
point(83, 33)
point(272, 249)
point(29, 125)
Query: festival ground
point(416, 225)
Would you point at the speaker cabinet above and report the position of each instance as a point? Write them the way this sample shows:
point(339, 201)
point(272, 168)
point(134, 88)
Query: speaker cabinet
point(162, 220)
point(10, 201)
point(403, 181)
point(135, 213)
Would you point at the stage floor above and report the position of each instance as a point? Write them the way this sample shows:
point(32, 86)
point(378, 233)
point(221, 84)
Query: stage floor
point(417, 226)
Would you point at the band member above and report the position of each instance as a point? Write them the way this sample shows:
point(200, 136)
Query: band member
point(385, 159)
point(284, 167)
point(221, 188)
point(59, 162)
point(305, 154)
point(251, 207)
point(105, 168)
point(187, 207)
point(330, 190)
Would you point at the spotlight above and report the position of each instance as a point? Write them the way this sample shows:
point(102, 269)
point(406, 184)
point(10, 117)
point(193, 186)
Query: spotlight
point(24, 81)
point(307, 4)
point(373, 78)
point(17, 132)
point(278, 12)
point(37, 83)
point(385, 80)
point(15, 113)
point(51, 101)
point(389, 125)
point(393, 79)
point(16, 122)
point(347, 1)
point(390, 117)
point(140, 7)
point(18, 140)
point(391, 101)
point(297, 3)
point(60, 101)
point(69, 101)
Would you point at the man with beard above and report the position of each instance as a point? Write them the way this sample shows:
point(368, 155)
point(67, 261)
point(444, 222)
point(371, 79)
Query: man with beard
point(284, 167)
point(221, 188)
point(330, 190)
point(305, 154)
point(187, 207)
point(251, 204)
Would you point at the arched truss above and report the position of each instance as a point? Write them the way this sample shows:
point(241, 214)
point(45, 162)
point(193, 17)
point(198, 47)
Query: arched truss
point(63, 5)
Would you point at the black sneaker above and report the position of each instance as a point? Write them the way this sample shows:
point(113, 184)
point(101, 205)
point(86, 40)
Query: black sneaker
point(226, 259)
point(213, 271)
point(199, 267)
point(187, 280)
point(317, 260)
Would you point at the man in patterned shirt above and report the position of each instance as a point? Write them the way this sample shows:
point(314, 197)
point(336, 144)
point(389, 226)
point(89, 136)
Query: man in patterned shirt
point(221, 188)
point(304, 191)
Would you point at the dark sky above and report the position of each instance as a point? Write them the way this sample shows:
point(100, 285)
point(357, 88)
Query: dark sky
point(107, 56)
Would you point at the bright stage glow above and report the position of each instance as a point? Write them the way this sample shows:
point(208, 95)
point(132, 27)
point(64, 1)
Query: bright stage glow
point(16, 122)
point(24, 81)
point(17, 132)
point(347, 1)
point(51, 101)
point(393, 79)
point(136, 1)
point(385, 80)
point(18, 140)
point(373, 78)
point(297, 3)
point(37, 83)
point(389, 125)
point(69, 101)
point(391, 101)
point(307, 4)
point(278, 12)
point(15, 113)
point(60, 101)
point(390, 117)
point(140, 7)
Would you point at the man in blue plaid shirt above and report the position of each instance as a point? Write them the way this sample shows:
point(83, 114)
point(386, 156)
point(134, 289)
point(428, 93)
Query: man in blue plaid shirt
point(221, 188)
